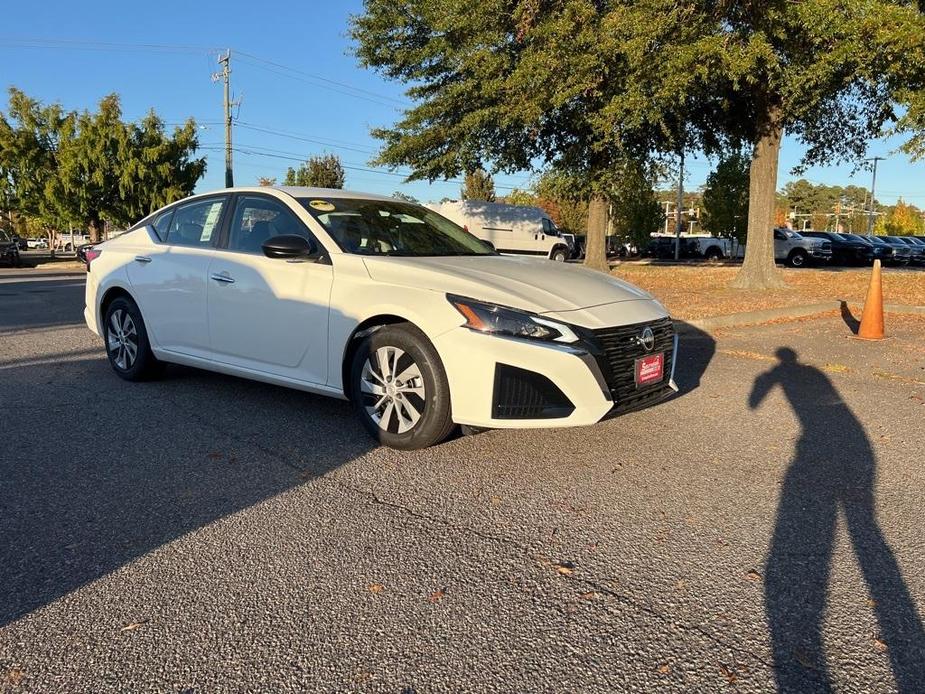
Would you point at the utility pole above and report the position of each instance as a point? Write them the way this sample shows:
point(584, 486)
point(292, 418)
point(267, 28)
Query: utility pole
point(677, 237)
point(873, 185)
point(225, 76)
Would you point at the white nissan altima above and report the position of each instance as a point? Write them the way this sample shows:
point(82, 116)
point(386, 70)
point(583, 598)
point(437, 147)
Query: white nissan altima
point(414, 320)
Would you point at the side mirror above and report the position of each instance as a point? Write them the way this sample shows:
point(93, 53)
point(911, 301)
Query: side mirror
point(290, 246)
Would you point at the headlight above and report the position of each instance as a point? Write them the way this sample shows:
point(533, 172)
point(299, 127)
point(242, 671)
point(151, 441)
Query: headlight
point(498, 320)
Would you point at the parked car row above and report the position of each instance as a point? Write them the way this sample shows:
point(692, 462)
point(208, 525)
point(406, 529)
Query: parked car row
point(855, 249)
point(9, 249)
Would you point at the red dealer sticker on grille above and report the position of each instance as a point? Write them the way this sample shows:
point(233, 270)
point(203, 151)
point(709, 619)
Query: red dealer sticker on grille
point(650, 369)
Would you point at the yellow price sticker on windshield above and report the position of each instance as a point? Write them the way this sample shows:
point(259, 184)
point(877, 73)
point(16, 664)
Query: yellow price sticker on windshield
point(322, 205)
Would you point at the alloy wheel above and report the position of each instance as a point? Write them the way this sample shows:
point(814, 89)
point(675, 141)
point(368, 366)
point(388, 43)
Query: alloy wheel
point(122, 339)
point(392, 389)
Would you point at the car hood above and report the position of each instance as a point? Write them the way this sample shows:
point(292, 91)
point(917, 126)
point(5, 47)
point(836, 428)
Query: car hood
point(531, 284)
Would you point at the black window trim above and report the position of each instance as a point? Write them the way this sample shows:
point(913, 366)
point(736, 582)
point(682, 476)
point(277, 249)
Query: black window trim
point(225, 235)
point(174, 206)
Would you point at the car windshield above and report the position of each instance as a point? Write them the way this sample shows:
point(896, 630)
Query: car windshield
point(393, 228)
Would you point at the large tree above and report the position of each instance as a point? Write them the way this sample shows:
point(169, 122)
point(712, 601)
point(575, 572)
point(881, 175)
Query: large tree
point(322, 171)
point(478, 185)
point(585, 82)
point(725, 196)
point(66, 168)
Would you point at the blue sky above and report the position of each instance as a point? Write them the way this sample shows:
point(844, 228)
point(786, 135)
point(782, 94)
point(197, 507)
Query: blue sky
point(294, 74)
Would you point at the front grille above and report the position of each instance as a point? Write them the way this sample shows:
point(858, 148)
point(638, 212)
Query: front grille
point(617, 351)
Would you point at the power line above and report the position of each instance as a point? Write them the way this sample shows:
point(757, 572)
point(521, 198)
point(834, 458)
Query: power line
point(303, 76)
point(272, 154)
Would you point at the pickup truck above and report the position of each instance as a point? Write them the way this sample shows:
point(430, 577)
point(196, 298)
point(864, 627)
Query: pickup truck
point(796, 250)
point(692, 246)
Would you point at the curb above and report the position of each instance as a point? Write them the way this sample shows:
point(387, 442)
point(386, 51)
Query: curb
point(61, 265)
point(752, 317)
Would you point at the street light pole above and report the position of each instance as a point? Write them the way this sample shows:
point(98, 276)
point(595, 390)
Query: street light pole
point(873, 186)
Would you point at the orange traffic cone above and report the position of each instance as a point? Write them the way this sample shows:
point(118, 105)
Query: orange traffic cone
point(872, 318)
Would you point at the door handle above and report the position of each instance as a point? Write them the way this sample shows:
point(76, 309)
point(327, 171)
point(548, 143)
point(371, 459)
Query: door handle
point(222, 278)
point(142, 259)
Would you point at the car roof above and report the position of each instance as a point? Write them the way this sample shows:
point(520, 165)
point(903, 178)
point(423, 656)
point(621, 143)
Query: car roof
point(292, 191)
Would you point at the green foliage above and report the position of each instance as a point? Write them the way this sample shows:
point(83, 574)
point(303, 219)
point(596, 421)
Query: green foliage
point(564, 198)
point(585, 84)
point(822, 202)
point(64, 168)
point(901, 219)
point(520, 197)
point(478, 185)
point(322, 171)
point(636, 212)
point(725, 196)
point(398, 195)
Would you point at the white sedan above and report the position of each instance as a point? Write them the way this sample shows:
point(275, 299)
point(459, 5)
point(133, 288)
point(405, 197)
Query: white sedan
point(415, 321)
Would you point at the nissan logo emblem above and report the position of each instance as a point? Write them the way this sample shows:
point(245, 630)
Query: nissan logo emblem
point(647, 339)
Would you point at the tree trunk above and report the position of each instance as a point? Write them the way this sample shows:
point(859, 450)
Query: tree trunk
point(96, 230)
point(758, 269)
point(595, 250)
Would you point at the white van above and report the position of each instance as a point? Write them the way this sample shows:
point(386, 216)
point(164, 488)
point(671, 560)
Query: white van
point(511, 229)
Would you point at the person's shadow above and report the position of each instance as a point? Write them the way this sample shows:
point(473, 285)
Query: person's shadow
point(833, 469)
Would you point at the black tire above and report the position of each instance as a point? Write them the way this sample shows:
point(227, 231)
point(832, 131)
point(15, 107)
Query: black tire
point(396, 407)
point(714, 254)
point(559, 254)
point(797, 258)
point(124, 313)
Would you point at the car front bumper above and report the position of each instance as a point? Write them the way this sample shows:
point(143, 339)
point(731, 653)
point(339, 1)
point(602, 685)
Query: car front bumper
point(499, 382)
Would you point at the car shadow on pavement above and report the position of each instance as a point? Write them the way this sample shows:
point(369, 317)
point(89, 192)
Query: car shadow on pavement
point(696, 349)
point(100, 472)
point(833, 471)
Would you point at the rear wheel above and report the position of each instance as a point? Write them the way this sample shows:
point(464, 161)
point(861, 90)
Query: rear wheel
point(399, 388)
point(127, 342)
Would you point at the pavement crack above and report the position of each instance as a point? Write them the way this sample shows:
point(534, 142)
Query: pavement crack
point(578, 580)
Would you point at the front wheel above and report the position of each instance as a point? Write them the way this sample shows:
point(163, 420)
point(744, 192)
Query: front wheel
point(399, 389)
point(797, 258)
point(560, 255)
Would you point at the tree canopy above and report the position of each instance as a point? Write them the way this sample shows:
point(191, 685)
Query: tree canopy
point(322, 171)
point(478, 185)
point(585, 84)
point(725, 196)
point(69, 168)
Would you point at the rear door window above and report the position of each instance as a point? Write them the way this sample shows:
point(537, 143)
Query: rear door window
point(196, 223)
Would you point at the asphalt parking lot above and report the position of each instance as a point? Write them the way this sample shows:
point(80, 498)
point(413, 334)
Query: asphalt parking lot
point(203, 533)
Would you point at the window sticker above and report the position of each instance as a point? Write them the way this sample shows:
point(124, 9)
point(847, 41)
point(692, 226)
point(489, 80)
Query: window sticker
point(211, 221)
point(322, 205)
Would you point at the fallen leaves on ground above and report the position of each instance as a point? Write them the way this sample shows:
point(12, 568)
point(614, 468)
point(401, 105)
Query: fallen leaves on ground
point(14, 676)
point(375, 587)
point(437, 595)
point(753, 576)
point(879, 644)
point(728, 673)
point(566, 568)
point(691, 291)
point(590, 595)
point(131, 626)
